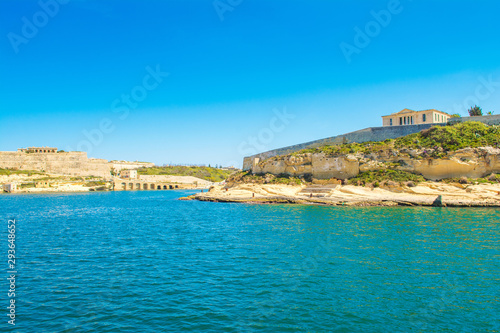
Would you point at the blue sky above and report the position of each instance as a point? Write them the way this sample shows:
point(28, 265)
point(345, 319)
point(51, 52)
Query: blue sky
point(207, 82)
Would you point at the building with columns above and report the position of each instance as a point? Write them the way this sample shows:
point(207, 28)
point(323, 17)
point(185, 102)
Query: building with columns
point(411, 117)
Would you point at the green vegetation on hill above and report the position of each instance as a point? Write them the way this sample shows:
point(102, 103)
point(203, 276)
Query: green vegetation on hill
point(348, 148)
point(206, 173)
point(471, 134)
point(8, 172)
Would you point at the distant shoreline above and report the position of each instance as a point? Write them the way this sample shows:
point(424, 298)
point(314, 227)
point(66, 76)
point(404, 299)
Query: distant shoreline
point(80, 192)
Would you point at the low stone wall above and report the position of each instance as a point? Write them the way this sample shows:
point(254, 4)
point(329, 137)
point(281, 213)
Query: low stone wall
point(488, 120)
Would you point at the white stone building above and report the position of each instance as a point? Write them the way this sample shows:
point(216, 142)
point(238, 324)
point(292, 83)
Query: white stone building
point(411, 117)
point(128, 174)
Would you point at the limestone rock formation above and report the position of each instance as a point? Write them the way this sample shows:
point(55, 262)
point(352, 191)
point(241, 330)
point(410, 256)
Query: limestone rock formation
point(468, 162)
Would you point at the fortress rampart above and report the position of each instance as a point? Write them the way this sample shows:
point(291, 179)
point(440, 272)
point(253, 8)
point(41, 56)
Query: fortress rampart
point(364, 135)
point(67, 163)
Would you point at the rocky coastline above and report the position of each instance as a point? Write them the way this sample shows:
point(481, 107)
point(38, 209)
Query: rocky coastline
point(424, 194)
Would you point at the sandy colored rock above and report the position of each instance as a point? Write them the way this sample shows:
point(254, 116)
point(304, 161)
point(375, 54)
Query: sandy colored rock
point(468, 162)
point(424, 194)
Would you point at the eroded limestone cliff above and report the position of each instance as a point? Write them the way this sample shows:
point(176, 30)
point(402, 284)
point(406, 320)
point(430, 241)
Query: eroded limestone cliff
point(468, 162)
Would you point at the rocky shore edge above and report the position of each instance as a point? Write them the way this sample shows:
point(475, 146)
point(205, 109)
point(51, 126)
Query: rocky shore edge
point(425, 194)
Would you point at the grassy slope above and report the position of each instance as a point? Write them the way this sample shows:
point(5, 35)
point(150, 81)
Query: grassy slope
point(8, 172)
point(210, 174)
point(471, 134)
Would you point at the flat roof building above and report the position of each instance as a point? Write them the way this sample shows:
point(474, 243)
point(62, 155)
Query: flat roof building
point(9, 187)
point(411, 117)
point(128, 173)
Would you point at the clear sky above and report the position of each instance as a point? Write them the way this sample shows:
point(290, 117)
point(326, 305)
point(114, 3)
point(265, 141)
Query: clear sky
point(208, 82)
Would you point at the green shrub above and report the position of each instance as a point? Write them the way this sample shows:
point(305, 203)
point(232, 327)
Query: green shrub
point(379, 176)
point(470, 134)
point(249, 177)
point(8, 172)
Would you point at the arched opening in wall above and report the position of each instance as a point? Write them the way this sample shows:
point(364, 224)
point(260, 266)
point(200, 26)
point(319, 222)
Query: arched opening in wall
point(152, 186)
point(124, 186)
point(164, 187)
point(176, 186)
point(145, 186)
point(138, 186)
point(158, 187)
point(131, 185)
point(170, 187)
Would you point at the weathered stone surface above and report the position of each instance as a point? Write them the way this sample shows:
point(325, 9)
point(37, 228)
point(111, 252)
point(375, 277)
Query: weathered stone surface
point(471, 163)
point(67, 163)
point(341, 167)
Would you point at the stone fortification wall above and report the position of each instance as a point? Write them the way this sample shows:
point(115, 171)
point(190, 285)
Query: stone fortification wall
point(67, 163)
point(364, 135)
point(488, 120)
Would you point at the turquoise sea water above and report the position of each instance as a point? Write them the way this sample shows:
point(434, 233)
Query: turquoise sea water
point(146, 262)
